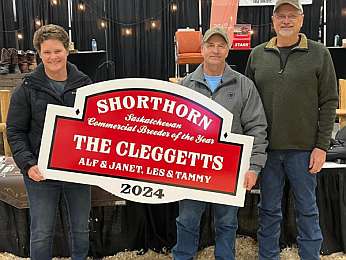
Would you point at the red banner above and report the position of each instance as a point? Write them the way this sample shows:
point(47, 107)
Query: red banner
point(224, 14)
point(146, 134)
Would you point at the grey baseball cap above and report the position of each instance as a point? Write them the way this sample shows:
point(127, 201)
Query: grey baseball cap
point(216, 30)
point(295, 3)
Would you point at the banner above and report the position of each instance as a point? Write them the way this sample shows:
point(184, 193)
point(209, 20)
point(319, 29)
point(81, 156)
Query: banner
point(148, 141)
point(266, 2)
point(242, 37)
point(224, 14)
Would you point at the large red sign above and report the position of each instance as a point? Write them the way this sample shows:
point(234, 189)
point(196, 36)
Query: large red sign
point(165, 136)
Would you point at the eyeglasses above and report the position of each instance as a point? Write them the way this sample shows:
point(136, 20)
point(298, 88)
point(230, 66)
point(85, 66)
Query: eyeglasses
point(290, 17)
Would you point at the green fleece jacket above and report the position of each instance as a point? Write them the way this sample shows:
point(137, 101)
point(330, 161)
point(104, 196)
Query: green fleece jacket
point(299, 97)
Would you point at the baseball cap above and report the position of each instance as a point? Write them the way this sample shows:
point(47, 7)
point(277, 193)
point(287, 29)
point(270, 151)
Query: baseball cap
point(216, 30)
point(295, 3)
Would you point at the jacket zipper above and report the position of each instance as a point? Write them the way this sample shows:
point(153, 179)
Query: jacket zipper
point(283, 66)
point(211, 94)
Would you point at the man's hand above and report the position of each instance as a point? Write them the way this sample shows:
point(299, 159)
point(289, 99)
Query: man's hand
point(250, 180)
point(35, 174)
point(317, 159)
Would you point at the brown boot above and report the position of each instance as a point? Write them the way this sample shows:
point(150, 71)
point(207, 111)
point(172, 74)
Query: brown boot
point(31, 56)
point(23, 62)
point(14, 68)
point(5, 61)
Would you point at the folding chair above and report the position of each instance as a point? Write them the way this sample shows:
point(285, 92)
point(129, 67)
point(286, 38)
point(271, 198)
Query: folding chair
point(187, 49)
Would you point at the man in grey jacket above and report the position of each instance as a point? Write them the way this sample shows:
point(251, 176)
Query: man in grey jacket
point(215, 79)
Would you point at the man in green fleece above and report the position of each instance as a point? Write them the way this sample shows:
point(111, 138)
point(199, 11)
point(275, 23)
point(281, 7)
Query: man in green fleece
point(296, 81)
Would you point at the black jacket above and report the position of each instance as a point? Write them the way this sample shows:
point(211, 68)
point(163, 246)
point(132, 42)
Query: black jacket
point(27, 111)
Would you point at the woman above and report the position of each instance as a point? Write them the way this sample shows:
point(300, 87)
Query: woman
point(54, 81)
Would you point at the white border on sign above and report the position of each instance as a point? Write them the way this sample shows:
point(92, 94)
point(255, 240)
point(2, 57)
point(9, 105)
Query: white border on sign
point(114, 185)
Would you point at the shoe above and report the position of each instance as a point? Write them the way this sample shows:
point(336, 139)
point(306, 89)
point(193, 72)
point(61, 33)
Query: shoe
point(14, 68)
point(23, 62)
point(5, 60)
point(31, 57)
point(336, 151)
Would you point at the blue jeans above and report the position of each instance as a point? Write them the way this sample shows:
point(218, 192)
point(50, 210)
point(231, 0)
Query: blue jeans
point(293, 164)
point(188, 228)
point(43, 202)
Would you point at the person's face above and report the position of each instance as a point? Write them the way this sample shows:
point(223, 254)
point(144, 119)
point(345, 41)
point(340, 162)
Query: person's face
point(215, 50)
point(287, 21)
point(53, 55)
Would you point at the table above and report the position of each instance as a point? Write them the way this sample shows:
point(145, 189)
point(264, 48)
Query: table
point(331, 200)
point(136, 226)
point(88, 62)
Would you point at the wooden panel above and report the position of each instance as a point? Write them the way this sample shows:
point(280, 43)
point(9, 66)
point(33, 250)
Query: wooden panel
point(175, 80)
point(342, 103)
point(4, 104)
point(7, 83)
point(341, 112)
point(10, 81)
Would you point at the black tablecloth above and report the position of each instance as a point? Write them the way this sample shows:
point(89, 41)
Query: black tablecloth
point(331, 199)
point(139, 226)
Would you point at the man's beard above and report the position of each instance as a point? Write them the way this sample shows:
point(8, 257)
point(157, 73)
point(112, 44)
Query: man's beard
point(286, 32)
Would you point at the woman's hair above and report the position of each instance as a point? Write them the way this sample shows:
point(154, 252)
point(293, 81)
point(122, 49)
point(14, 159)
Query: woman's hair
point(50, 32)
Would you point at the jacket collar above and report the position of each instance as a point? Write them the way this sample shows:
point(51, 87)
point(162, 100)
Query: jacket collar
point(227, 76)
point(73, 75)
point(303, 43)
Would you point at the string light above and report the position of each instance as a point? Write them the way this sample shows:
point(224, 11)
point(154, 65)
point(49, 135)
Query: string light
point(20, 36)
point(103, 24)
point(38, 22)
point(127, 31)
point(81, 7)
point(174, 7)
point(343, 11)
point(153, 24)
point(252, 32)
point(54, 2)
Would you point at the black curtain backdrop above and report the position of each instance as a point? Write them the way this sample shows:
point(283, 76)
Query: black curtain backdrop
point(146, 51)
point(312, 18)
point(260, 20)
point(31, 10)
point(336, 20)
point(87, 26)
point(7, 25)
